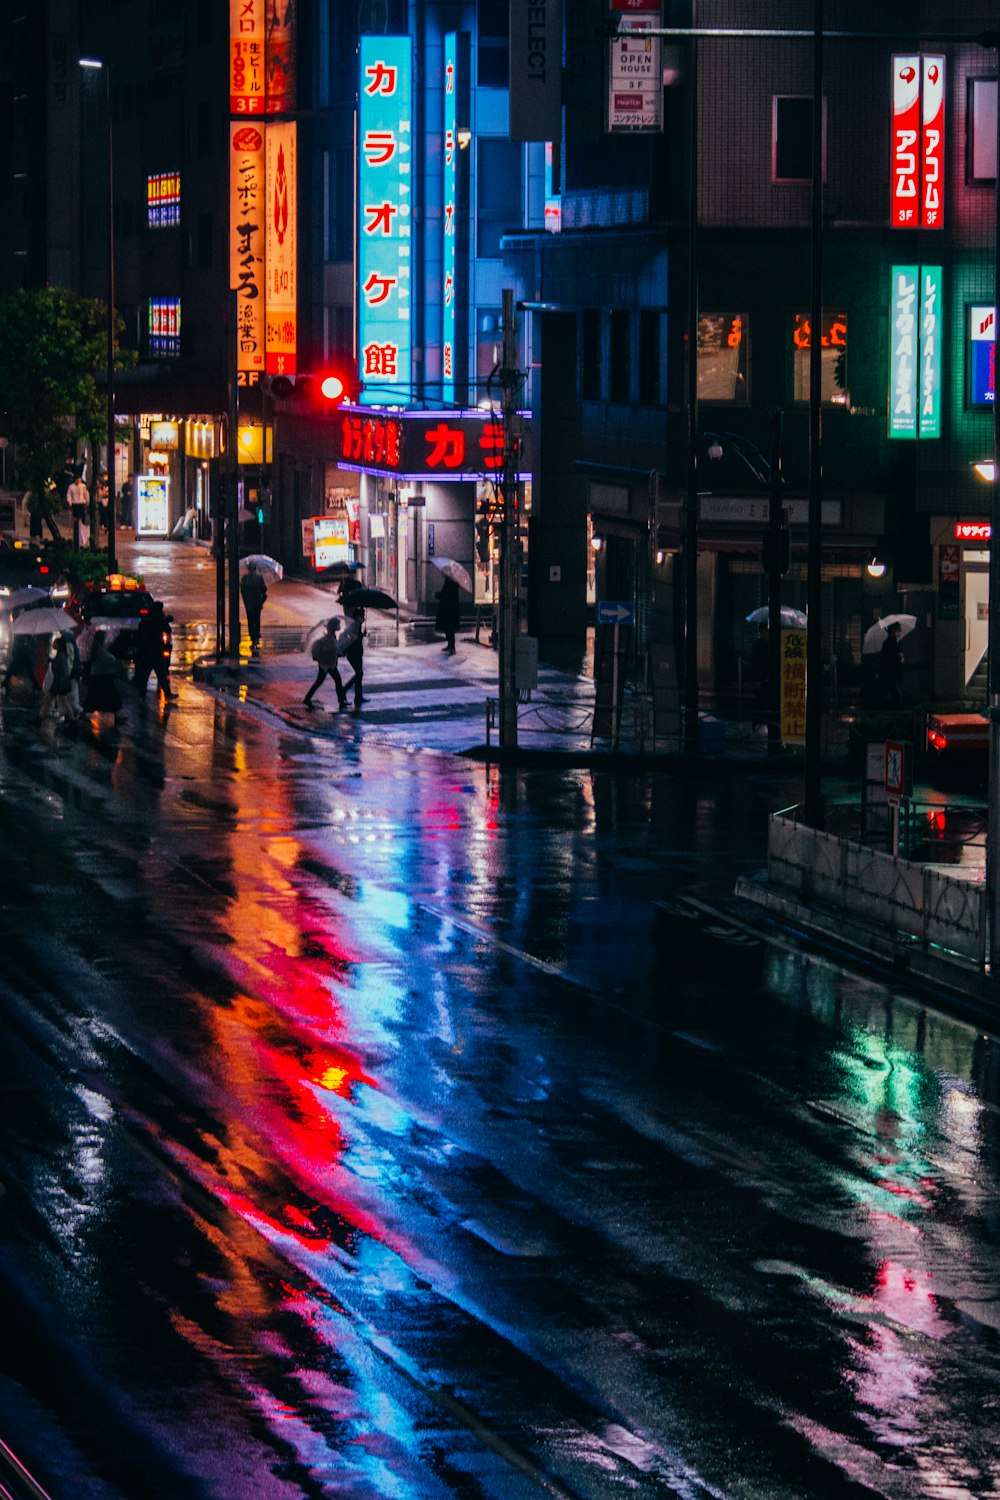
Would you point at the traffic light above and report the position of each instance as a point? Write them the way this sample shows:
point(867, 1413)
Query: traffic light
point(262, 506)
point(323, 390)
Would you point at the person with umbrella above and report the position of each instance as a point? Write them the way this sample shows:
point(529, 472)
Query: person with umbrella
point(58, 694)
point(352, 644)
point(890, 665)
point(326, 654)
point(447, 619)
point(254, 591)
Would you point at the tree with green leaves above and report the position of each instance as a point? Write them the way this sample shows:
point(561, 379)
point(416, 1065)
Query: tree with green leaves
point(53, 343)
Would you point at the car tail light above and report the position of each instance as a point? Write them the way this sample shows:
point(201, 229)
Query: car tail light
point(937, 740)
point(43, 567)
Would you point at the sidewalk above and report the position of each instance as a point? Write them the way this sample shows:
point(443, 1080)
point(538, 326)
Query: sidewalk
point(418, 697)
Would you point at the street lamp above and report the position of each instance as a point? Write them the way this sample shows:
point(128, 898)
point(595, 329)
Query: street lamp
point(94, 62)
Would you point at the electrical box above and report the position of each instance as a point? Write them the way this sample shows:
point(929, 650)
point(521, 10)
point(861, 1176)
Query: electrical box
point(525, 663)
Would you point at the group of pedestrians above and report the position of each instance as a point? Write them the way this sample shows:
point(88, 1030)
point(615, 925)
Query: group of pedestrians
point(76, 674)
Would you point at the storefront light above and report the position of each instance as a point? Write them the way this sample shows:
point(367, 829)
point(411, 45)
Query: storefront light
point(597, 542)
point(876, 568)
point(985, 469)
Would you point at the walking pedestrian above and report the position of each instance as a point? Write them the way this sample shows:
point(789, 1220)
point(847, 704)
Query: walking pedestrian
point(102, 695)
point(75, 672)
point(352, 648)
point(890, 666)
point(154, 640)
point(254, 591)
point(448, 614)
point(58, 681)
point(326, 654)
point(78, 500)
point(760, 662)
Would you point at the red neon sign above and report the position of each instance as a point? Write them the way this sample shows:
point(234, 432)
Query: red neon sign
point(972, 531)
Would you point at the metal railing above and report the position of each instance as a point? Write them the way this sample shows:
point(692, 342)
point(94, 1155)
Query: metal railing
point(880, 893)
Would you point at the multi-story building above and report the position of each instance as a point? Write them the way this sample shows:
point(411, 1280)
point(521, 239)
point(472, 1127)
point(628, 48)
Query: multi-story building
point(907, 266)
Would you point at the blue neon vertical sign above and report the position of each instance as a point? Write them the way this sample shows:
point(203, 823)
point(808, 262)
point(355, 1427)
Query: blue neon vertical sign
point(385, 219)
point(904, 342)
point(449, 209)
point(931, 324)
point(915, 325)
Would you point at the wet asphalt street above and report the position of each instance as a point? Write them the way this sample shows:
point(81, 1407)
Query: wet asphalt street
point(378, 1124)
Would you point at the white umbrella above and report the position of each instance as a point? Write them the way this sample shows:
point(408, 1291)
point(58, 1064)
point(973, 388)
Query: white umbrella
point(452, 569)
point(43, 622)
point(791, 619)
point(264, 564)
point(318, 630)
point(875, 635)
point(21, 598)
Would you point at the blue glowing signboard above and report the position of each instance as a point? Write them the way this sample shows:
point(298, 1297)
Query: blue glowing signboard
point(982, 355)
point(385, 220)
point(915, 352)
point(449, 202)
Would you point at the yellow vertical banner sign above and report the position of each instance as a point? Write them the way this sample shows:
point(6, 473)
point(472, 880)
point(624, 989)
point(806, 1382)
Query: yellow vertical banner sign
point(247, 209)
point(793, 687)
point(280, 247)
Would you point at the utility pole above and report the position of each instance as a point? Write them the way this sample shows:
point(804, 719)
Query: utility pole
point(689, 718)
point(812, 792)
point(993, 638)
point(510, 379)
point(777, 564)
point(230, 552)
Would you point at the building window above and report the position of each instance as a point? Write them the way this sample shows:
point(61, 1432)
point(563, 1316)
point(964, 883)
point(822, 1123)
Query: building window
point(498, 190)
point(833, 357)
point(650, 390)
point(163, 199)
point(620, 365)
point(165, 326)
point(791, 138)
point(590, 355)
point(982, 117)
point(493, 40)
point(724, 358)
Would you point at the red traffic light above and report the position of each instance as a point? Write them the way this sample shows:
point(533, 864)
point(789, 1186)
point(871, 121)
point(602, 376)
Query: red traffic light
point(322, 390)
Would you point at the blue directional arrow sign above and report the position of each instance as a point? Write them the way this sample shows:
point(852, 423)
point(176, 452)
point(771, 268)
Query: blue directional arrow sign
point(615, 612)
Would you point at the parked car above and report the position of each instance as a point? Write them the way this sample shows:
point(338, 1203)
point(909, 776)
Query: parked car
point(27, 565)
point(115, 604)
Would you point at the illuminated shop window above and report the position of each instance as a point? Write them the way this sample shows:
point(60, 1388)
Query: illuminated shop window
point(163, 199)
point(165, 325)
point(982, 128)
point(724, 357)
point(833, 358)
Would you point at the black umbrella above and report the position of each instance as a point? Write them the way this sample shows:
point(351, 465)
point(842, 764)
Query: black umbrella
point(364, 598)
point(340, 570)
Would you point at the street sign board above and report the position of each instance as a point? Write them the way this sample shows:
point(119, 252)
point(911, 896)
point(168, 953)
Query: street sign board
point(615, 612)
point(895, 772)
